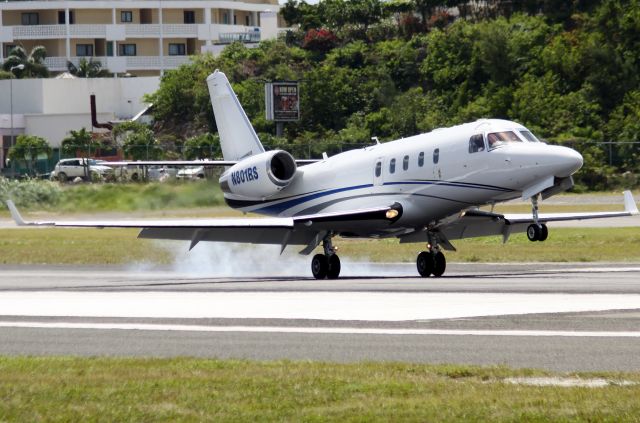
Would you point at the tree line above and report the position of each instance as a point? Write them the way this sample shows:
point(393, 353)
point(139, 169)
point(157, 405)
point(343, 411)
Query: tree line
point(567, 70)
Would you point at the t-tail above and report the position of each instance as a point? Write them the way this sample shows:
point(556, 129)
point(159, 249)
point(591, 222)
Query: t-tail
point(237, 137)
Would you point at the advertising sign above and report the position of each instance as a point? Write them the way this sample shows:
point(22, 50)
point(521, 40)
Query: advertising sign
point(283, 101)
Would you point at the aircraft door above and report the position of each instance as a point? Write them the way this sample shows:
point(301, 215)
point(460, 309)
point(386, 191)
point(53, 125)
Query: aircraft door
point(378, 166)
point(437, 171)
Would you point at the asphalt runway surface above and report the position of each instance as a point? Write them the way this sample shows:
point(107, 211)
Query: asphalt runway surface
point(568, 317)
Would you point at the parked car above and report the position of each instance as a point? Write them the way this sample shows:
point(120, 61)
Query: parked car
point(161, 173)
point(191, 172)
point(72, 168)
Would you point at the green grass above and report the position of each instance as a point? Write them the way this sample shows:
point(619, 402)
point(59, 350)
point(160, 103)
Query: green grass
point(53, 197)
point(77, 246)
point(129, 197)
point(120, 246)
point(186, 389)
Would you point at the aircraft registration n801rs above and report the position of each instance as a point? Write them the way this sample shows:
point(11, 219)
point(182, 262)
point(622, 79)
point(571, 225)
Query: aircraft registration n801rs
point(423, 189)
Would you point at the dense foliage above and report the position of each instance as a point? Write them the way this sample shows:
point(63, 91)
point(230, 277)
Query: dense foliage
point(32, 62)
point(567, 70)
point(28, 149)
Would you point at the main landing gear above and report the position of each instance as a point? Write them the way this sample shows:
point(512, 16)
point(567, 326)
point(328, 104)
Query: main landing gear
point(536, 231)
point(431, 262)
point(326, 265)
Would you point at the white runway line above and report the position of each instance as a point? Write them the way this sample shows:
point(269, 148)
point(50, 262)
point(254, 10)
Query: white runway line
point(318, 330)
point(303, 305)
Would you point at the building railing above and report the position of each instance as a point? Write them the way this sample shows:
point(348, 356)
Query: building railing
point(27, 32)
point(245, 37)
point(59, 64)
point(226, 33)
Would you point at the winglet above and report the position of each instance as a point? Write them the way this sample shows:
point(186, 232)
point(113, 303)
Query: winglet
point(15, 214)
point(630, 204)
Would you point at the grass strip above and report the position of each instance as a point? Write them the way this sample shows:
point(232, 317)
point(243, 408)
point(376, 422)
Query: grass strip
point(120, 246)
point(189, 389)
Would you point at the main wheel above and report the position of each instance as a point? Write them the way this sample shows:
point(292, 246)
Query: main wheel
point(439, 264)
point(425, 264)
point(334, 267)
point(533, 232)
point(62, 177)
point(544, 233)
point(319, 266)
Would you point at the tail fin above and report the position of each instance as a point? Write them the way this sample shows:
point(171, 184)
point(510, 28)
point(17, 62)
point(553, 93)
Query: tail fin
point(237, 137)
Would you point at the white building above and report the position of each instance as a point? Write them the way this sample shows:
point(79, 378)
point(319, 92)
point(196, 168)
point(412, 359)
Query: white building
point(50, 108)
point(140, 37)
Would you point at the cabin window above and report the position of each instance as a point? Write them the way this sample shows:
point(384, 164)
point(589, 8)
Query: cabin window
point(392, 166)
point(421, 159)
point(497, 139)
point(436, 155)
point(405, 163)
point(476, 143)
point(378, 169)
point(529, 136)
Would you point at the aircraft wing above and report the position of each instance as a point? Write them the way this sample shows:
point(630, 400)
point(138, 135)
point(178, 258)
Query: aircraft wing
point(477, 223)
point(221, 163)
point(306, 230)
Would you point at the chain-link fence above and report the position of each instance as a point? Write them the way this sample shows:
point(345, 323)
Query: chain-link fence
point(621, 155)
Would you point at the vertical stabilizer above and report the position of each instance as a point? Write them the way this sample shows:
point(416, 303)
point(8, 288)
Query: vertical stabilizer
point(237, 137)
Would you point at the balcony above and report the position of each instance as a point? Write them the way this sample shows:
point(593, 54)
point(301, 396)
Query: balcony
point(214, 32)
point(168, 31)
point(122, 63)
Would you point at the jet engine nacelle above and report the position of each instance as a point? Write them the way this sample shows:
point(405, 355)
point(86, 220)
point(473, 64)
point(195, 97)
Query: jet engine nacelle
point(260, 176)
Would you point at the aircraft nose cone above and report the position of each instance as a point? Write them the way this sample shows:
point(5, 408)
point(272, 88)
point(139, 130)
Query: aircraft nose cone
point(570, 161)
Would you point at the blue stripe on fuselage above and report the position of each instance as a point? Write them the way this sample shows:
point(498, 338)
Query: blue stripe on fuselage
point(280, 207)
point(277, 208)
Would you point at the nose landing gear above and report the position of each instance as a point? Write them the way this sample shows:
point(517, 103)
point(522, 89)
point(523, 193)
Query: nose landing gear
point(536, 231)
point(326, 265)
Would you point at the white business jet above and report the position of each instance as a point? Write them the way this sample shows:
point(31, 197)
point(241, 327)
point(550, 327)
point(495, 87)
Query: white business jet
point(422, 189)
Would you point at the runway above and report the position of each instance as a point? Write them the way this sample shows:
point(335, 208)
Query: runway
point(568, 317)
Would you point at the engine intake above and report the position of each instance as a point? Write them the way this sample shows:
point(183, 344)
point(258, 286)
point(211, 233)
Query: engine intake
point(260, 176)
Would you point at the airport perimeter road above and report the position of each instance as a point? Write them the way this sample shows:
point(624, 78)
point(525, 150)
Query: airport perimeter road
point(561, 317)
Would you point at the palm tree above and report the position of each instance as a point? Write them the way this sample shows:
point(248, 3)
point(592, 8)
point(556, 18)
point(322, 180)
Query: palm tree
point(34, 66)
point(87, 69)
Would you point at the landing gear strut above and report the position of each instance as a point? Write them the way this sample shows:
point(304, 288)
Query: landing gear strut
point(536, 231)
point(326, 265)
point(431, 262)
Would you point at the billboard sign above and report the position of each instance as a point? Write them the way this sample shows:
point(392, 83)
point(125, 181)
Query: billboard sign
point(283, 101)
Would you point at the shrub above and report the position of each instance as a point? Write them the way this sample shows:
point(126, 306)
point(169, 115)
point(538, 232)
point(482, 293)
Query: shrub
point(30, 192)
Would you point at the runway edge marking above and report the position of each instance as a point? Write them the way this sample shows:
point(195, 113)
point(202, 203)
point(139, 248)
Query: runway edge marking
point(319, 330)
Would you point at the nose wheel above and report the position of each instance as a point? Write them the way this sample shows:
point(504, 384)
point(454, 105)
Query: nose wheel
point(536, 231)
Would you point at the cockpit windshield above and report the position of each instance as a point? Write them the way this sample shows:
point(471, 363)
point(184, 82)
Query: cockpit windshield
point(529, 136)
point(500, 138)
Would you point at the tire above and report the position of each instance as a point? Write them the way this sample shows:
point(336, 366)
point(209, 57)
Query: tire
point(62, 177)
point(439, 264)
point(319, 266)
point(334, 267)
point(544, 233)
point(135, 177)
point(425, 264)
point(533, 232)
